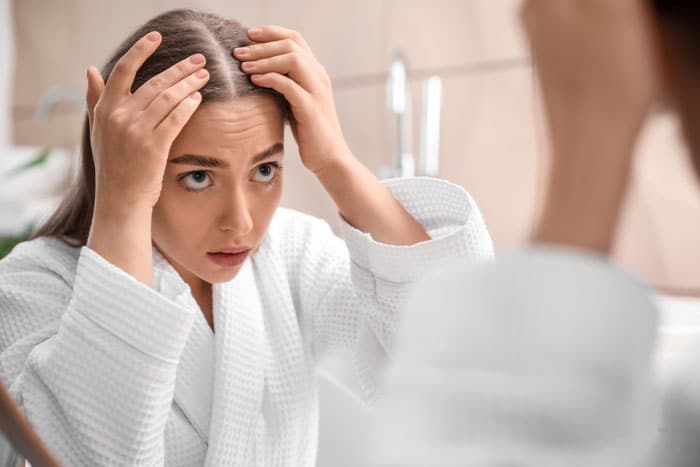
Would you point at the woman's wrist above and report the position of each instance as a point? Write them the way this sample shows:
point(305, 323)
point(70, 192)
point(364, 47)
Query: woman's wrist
point(588, 180)
point(338, 166)
point(121, 234)
point(335, 161)
point(368, 205)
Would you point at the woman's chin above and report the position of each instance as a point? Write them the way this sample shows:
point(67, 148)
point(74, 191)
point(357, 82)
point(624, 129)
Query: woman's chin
point(221, 275)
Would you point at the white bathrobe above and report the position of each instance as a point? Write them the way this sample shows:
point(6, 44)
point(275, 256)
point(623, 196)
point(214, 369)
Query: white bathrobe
point(110, 371)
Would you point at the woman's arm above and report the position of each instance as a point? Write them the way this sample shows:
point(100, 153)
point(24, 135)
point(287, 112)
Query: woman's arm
point(91, 360)
point(596, 63)
point(93, 363)
point(282, 60)
point(367, 204)
point(131, 136)
point(350, 292)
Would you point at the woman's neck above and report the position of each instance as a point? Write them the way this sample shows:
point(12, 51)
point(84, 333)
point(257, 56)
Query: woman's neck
point(202, 293)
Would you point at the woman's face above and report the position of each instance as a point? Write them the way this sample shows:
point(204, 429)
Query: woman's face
point(221, 188)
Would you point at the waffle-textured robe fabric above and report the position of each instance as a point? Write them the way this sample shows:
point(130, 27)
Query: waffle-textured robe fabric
point(112, 372)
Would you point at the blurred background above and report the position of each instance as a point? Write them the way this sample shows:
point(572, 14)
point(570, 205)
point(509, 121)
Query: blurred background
point(489, 131)
point(446, 83)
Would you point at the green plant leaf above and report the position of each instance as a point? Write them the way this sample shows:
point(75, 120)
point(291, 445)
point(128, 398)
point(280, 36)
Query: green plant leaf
point(40, 159)
point(7, 244)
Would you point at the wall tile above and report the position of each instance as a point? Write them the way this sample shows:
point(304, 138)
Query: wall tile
point(662, 246)
point(501, 30)
point(638, 247)
point(56, 42)
point(247, 12)
point(489, 145)
point(347, 37)
point(437, 34)
point(44, 36)
point(98, 30)
point(62, 131)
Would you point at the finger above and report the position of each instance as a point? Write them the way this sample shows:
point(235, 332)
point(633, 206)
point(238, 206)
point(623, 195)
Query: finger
point(296, 65)
point(266, 49)
point(295, 94)
point(122, 76)
point(95, 88)
point(163, 105)
point(277, 33)
point(153, 87)
point(176, 120)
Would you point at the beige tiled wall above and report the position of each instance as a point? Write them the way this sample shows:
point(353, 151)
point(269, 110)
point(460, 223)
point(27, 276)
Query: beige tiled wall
point(659, 236)
point(491, 139)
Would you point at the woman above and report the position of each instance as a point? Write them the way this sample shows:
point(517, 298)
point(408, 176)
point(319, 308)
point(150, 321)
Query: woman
point(170, 312)
point(570, 381)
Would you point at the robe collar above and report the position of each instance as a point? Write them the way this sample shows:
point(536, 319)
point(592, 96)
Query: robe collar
point(194, 382)
point(245, 388)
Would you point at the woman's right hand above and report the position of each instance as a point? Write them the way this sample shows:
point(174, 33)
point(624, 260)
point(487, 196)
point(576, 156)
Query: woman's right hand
point(131, 133)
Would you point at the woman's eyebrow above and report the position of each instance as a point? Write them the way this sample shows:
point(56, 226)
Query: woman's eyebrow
point(204, 161)
point(208, 161)
point(269, 152)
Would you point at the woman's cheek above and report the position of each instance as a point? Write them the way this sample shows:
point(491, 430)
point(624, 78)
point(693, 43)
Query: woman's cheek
point(265, 202)
point(180, 209)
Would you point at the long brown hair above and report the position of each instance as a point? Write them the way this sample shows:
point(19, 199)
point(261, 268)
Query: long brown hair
point(184, 32)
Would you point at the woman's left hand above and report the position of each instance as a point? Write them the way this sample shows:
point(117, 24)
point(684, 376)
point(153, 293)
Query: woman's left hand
point(282, 60)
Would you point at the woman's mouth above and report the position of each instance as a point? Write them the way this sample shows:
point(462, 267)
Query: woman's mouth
point(229, 258)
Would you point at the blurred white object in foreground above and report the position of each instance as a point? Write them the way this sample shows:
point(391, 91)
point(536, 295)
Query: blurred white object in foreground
point(679, 334)
point(541, 358)
point(677, 363)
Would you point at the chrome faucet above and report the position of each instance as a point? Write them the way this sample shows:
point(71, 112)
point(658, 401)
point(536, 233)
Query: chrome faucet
point(55, 96)
point(399, 103)
point(45, 106)
point(430, 127)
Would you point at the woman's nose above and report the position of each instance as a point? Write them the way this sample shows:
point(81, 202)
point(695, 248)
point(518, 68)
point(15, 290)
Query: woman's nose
point(236, 215)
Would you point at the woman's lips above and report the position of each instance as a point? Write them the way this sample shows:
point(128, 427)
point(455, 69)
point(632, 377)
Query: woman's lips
point(229, 259)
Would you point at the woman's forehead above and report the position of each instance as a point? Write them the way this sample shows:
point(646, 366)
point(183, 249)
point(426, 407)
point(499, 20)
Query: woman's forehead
point(249, 125)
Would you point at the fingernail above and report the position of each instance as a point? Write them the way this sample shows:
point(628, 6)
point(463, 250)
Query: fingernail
point(241, 51)
point(203, 73)
point(196, 96)
point(153, 36)
point(248, 65)
point(197, 59)
point(255, 77)
point(254, 31)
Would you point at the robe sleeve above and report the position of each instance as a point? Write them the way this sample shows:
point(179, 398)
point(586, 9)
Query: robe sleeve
point(92, 366)
point(355, 289)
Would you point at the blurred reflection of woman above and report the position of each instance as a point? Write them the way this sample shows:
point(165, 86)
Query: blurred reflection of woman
point(173, 230)
point(558, 371)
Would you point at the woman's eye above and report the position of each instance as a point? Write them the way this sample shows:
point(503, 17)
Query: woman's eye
point(266, 173)
point(196, 181)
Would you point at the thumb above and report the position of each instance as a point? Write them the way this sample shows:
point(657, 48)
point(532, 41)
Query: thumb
point(96, 86)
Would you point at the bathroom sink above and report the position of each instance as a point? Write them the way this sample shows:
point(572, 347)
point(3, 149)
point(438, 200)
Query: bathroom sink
point(678, 344)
